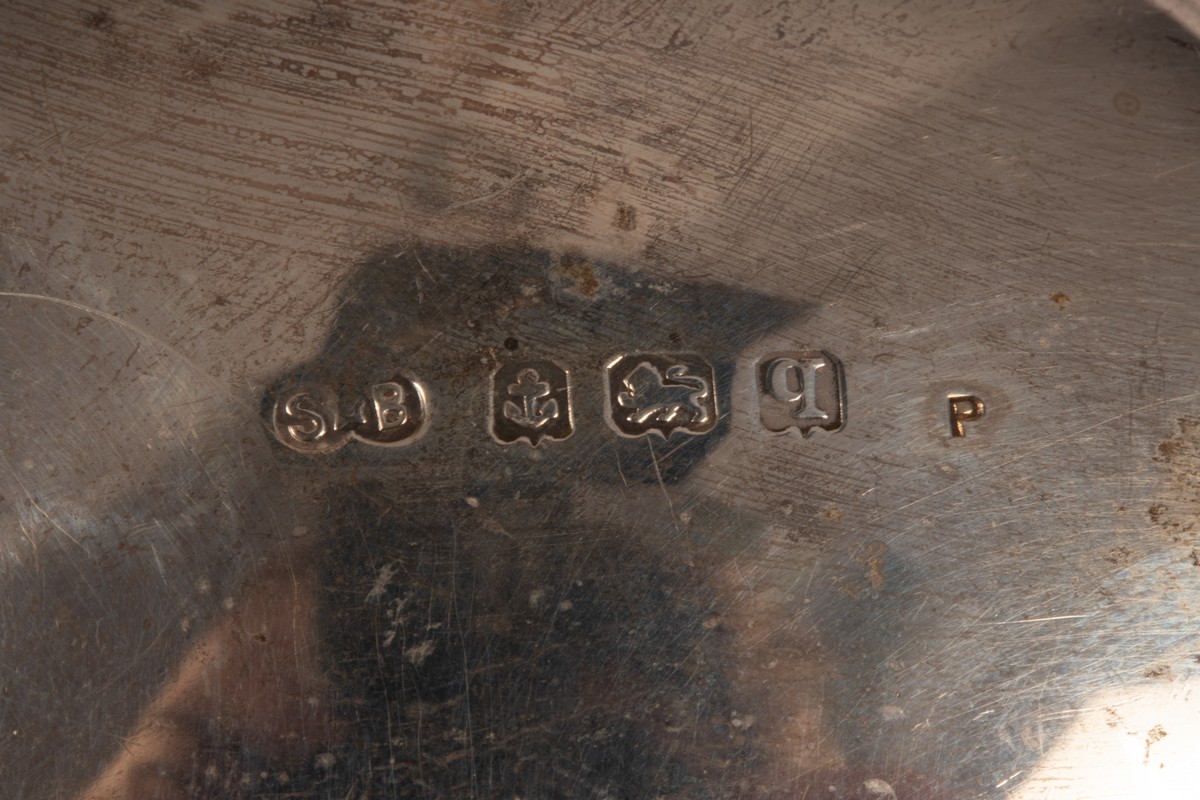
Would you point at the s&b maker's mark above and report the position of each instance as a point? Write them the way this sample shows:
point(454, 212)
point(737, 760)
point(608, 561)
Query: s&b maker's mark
point(394, 412)
point(804, 390)
point(657, 393)
point(531, 400)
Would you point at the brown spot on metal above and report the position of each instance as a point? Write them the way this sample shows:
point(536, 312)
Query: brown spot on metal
point(1126, 103)
point(197, 63)
point(99, 20)
point(876, 558)
point(1170, 448)
point(580, 272)
point(1162, 671)
point(1180, 455)
point(1175, 40)
point(1155, 734)
point(1120, 556)
point(1061, 299)
point(626, 218)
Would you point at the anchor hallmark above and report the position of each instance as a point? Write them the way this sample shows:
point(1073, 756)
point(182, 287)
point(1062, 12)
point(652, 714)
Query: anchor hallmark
point(531, 401)
point(660, 393)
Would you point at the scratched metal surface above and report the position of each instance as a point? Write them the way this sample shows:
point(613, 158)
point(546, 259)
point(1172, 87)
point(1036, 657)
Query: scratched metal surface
point(209, 209)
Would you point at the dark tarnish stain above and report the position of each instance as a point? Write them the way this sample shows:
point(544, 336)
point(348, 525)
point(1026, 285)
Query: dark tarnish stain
point(556, 673)
point(580, 273)
point(1119, 556)
point(497, 71)
point(1155, 734)
point(678, 41)
point(99, 20)
point(197, 63)
point(1061, 299)
point(492, 626)
point(1180, 455)
point(1176, 517)
point(1170, 449)
point(874, 557)
point(626, 217)
point(1175, 40)
point(314, 73)
point(876, 561)
point(315, 27)
point(1183, 443)
point(320, 21)
point(1126, 103)
point(812, 37)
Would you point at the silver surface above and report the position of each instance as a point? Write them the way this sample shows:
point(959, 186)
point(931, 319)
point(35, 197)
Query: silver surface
point(207, 210)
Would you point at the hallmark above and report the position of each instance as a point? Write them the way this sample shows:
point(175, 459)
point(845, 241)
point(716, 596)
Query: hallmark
point(802, 390)
point(308, 418)
point(660, 393)
point(964, 408)
point(531, 401)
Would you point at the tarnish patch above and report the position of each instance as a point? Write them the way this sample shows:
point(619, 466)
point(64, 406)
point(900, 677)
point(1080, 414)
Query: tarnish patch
point(1180, 455)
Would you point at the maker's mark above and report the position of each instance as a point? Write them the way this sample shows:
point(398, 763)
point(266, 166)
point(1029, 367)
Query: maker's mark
point(309, 417)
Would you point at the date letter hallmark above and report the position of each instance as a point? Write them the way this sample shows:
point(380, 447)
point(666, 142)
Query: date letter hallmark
point(963, 408)
point(660, 393)
point(531, 401)
point(803, 390)
point(395, 412)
